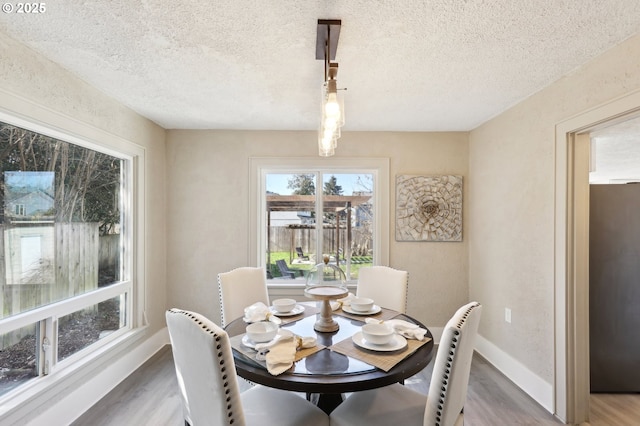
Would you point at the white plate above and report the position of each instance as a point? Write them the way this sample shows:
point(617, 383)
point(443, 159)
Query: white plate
point(251, 344)
point(373, 310)
point(295, 311)
point(398, 342)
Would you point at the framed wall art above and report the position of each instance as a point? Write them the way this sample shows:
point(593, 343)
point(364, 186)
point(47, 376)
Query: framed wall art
point(428, 208)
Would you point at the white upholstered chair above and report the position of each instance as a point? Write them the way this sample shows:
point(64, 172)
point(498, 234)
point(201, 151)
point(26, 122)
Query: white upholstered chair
point(208, 382)
point(386, 286)
point(240, 288)
point(399, 405)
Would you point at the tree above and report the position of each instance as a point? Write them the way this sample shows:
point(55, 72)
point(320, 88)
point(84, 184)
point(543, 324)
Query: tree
point(302, 184)
point(331, 187)
point(87, 182)
point(363, 232)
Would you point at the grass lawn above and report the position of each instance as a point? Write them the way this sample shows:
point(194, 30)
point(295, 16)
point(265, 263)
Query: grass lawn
point(356, 263)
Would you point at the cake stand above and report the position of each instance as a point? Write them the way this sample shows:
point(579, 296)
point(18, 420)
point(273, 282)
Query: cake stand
point(326, 282)
point(325, 294)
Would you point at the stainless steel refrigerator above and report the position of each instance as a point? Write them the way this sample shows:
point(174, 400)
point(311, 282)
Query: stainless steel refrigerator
point(614, 288)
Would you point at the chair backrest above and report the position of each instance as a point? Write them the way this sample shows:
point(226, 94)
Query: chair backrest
point(386, 286)
point(450, 377)
point(301, 253)
point(206, 374)
point(284, 269)
point(240, 288)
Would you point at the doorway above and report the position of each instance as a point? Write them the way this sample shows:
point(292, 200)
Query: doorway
point(614, 271)
point(571, 378)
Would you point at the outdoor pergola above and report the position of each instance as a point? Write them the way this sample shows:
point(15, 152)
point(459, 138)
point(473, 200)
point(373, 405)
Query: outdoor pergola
point(331, 204)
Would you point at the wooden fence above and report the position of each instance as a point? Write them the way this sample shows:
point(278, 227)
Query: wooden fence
point(71, 270)
point(287, 239)
point(109, 258)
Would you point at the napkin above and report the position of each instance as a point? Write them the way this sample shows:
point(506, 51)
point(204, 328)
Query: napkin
point(403, 328)
point(281, 354)
point(259, 312)
point(346, 301)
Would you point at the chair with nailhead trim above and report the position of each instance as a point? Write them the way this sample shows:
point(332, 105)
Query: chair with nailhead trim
point(443, 406)
point(240, 288)
point(208, 383)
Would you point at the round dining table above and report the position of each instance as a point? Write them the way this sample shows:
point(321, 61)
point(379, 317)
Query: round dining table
point(326, 372)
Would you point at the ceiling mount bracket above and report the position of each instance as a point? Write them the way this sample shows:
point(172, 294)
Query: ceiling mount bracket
point(327, 36)
point(328, 33)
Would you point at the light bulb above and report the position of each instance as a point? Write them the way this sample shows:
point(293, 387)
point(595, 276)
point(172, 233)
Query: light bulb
point(332, 107)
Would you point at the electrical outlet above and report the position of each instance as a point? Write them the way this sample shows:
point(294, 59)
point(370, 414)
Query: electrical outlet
point(507, 315)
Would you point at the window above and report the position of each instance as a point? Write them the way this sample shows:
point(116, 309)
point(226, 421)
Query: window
point(307, 212)
point(20, 210)
point(66, 233)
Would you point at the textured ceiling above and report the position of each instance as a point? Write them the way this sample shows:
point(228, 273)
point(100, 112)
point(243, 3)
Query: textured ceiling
point(412, 65)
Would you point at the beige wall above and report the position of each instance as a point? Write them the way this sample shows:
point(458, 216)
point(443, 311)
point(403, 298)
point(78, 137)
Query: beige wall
point(511, 205)
point(208, 187)
point(58, 99)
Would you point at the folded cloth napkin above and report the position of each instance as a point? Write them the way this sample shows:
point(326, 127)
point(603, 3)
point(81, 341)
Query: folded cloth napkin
point(301, 342)
point(259, 312)
point(279, 354)
point(346, 301)
point(403, 328)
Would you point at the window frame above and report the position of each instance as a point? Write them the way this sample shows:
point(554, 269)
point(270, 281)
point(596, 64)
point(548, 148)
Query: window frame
point(259, 167)
point(132, 278)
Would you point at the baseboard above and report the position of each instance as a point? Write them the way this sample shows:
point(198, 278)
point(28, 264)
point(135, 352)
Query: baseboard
point(525, 379)
point(83, 397)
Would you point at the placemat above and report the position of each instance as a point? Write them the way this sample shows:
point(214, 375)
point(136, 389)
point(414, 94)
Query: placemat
point(383, 360)
point(384, 314)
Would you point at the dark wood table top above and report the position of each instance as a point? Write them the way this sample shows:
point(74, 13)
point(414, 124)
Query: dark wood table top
point(329, 372)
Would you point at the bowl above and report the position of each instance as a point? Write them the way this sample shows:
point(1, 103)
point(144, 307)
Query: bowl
point(361, 304)
point(284, 305)
point(378, 334)
point(263, 331)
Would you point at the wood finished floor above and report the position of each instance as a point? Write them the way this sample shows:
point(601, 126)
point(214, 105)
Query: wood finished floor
point(150, 397)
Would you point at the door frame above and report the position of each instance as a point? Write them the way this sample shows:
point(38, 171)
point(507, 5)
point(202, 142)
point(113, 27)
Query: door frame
point(571, 257)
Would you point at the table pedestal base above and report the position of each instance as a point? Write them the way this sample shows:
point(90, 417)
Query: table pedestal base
point(327, 402)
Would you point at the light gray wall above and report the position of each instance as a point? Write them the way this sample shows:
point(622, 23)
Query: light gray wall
point(208, 205)
point(511, 205)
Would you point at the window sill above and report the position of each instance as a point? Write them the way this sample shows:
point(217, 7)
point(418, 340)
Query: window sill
point(295, 290)
point(40, 394)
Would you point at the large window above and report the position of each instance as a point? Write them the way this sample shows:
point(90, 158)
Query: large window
point(64, 252)
point(332, 211)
